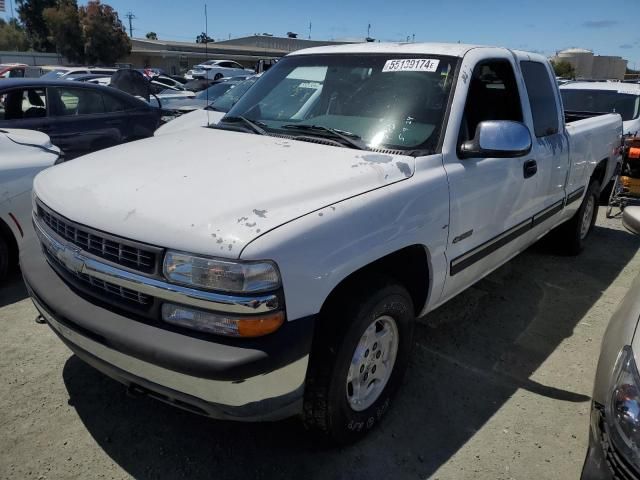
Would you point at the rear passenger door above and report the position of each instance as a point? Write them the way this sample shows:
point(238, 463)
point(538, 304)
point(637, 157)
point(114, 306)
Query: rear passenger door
point(80, 123)
point(550, 145)
point(492, 200)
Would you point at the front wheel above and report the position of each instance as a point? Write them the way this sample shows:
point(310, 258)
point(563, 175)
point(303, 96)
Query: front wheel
point(5, 262)
point(218, 76)
point(358, 361)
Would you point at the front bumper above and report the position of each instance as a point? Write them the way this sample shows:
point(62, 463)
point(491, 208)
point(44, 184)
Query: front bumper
point(257, 379)
point(603, 462)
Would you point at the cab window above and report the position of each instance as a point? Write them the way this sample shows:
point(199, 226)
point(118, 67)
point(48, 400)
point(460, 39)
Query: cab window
point(493, 95)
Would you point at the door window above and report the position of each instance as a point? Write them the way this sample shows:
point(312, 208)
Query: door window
point(23, 104)
point(113, 104)
point(493, 95)
point(542, 98)
point(76, 101)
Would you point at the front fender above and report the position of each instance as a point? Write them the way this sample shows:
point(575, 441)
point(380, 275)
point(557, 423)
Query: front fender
point(320, 249)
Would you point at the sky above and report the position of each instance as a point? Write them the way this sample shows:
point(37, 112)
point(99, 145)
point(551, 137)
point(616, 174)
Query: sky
point(606, 27)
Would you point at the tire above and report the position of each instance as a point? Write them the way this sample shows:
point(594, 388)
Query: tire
point(575, 232)
point(5, 262)
point(330, 399)
point(218, 76)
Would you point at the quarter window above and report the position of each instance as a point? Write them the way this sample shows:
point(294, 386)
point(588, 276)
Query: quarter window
point(542, 98)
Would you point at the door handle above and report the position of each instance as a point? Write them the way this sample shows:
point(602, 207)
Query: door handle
point(530, 168)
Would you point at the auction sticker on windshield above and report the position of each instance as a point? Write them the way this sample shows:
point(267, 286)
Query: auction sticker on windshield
point(411, 65)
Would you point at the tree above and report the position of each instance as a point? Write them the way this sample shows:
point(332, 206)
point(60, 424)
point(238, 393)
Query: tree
point(564, 69)
point(204, 38)
point(30, 13)
point(152, 36)
point(65, 32)
point(105, 38)
point(12, 36)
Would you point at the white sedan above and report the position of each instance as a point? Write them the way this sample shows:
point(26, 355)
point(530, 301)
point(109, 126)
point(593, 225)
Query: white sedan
point(217, 69)
point(23, 153)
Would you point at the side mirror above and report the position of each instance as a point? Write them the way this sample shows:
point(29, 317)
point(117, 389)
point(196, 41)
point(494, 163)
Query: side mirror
point(631, 219)
point(498, 139)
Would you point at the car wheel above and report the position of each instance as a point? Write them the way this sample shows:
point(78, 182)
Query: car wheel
point(358, 360)
point(4, 258)
point(575, 231)
point(218, 76)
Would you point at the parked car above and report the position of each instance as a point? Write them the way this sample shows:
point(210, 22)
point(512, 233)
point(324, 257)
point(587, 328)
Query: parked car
point(79, 117)
point(18, 70)
point(201, 99)
point(95, 78)
point(185, 117)
point(23, 153)
point(217, 69)
point(275, 265)
point(614, 435)
point(61, 72)
point(585, 99)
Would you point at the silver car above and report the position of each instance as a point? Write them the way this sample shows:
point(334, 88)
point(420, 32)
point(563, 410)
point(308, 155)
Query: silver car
point(614, 440)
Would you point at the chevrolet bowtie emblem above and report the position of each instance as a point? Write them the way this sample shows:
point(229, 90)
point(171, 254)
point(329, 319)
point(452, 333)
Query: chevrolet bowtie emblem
point(71, 258)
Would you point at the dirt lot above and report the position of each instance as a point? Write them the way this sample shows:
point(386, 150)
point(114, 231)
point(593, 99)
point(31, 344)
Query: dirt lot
point(499, 388)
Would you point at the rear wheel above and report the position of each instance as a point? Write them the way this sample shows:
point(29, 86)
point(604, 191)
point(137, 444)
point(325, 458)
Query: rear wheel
point(359, 358)
point(575, 231)
point(218, 76)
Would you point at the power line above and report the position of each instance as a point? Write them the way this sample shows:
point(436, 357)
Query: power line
point(130, 16)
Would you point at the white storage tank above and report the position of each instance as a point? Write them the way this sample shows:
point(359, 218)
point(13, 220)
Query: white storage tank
point(580, 58)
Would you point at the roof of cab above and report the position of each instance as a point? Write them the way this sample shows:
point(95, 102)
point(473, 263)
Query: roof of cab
point(451, 49)
point(620, 87)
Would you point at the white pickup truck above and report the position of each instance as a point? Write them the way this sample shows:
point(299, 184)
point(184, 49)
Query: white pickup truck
point(282, 273)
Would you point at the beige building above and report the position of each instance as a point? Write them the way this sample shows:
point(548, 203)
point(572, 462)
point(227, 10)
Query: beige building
point(590, 66)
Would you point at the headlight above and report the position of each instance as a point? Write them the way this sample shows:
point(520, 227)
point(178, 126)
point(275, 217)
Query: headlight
point(623, 407)
point(221, 275)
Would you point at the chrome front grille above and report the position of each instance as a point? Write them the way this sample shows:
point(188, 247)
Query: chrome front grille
point(101, 245)
point(103, 287)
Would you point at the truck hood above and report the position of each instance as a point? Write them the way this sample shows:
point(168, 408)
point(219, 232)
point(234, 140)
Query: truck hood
point(211, 191)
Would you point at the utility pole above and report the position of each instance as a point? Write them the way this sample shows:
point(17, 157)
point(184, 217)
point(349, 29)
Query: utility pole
point(369, 31)
point(309, 30)
point(130, 16)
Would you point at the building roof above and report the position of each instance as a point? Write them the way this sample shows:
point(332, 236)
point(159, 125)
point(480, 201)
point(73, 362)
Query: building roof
point(620, 87)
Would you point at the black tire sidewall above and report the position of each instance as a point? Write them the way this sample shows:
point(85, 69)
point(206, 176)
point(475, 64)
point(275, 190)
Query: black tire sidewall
point(4, 259)
point(593, 190)
point(345, 424)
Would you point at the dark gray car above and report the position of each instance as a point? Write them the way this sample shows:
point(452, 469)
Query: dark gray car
point(79, 117)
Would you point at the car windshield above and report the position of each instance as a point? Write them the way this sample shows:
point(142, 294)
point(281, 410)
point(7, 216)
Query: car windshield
point(225, 102)
point(388, 101)
point(53, 74)
point(214, 91)
point(601, 101)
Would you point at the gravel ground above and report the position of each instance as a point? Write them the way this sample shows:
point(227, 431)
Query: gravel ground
point(499, 388)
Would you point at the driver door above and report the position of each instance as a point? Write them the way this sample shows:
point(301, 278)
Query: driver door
point(491, 199)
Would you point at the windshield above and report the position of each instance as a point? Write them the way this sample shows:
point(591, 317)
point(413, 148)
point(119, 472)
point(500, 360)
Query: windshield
point(231, 96)
point(214, 91)
point(388, 101)
point(601, 101)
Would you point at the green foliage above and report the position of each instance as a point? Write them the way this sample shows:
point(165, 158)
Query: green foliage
point(12, 36)
point(105, 38)
point(65, 32)
point(30, 14)
point(564, 69)
point(152, 36)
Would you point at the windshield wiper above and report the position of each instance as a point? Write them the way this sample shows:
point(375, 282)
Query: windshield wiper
point(351, 139)
point(255, 126)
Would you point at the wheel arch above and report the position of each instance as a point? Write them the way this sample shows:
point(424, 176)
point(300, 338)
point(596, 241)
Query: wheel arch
point(410, 266)
point(600, 171)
